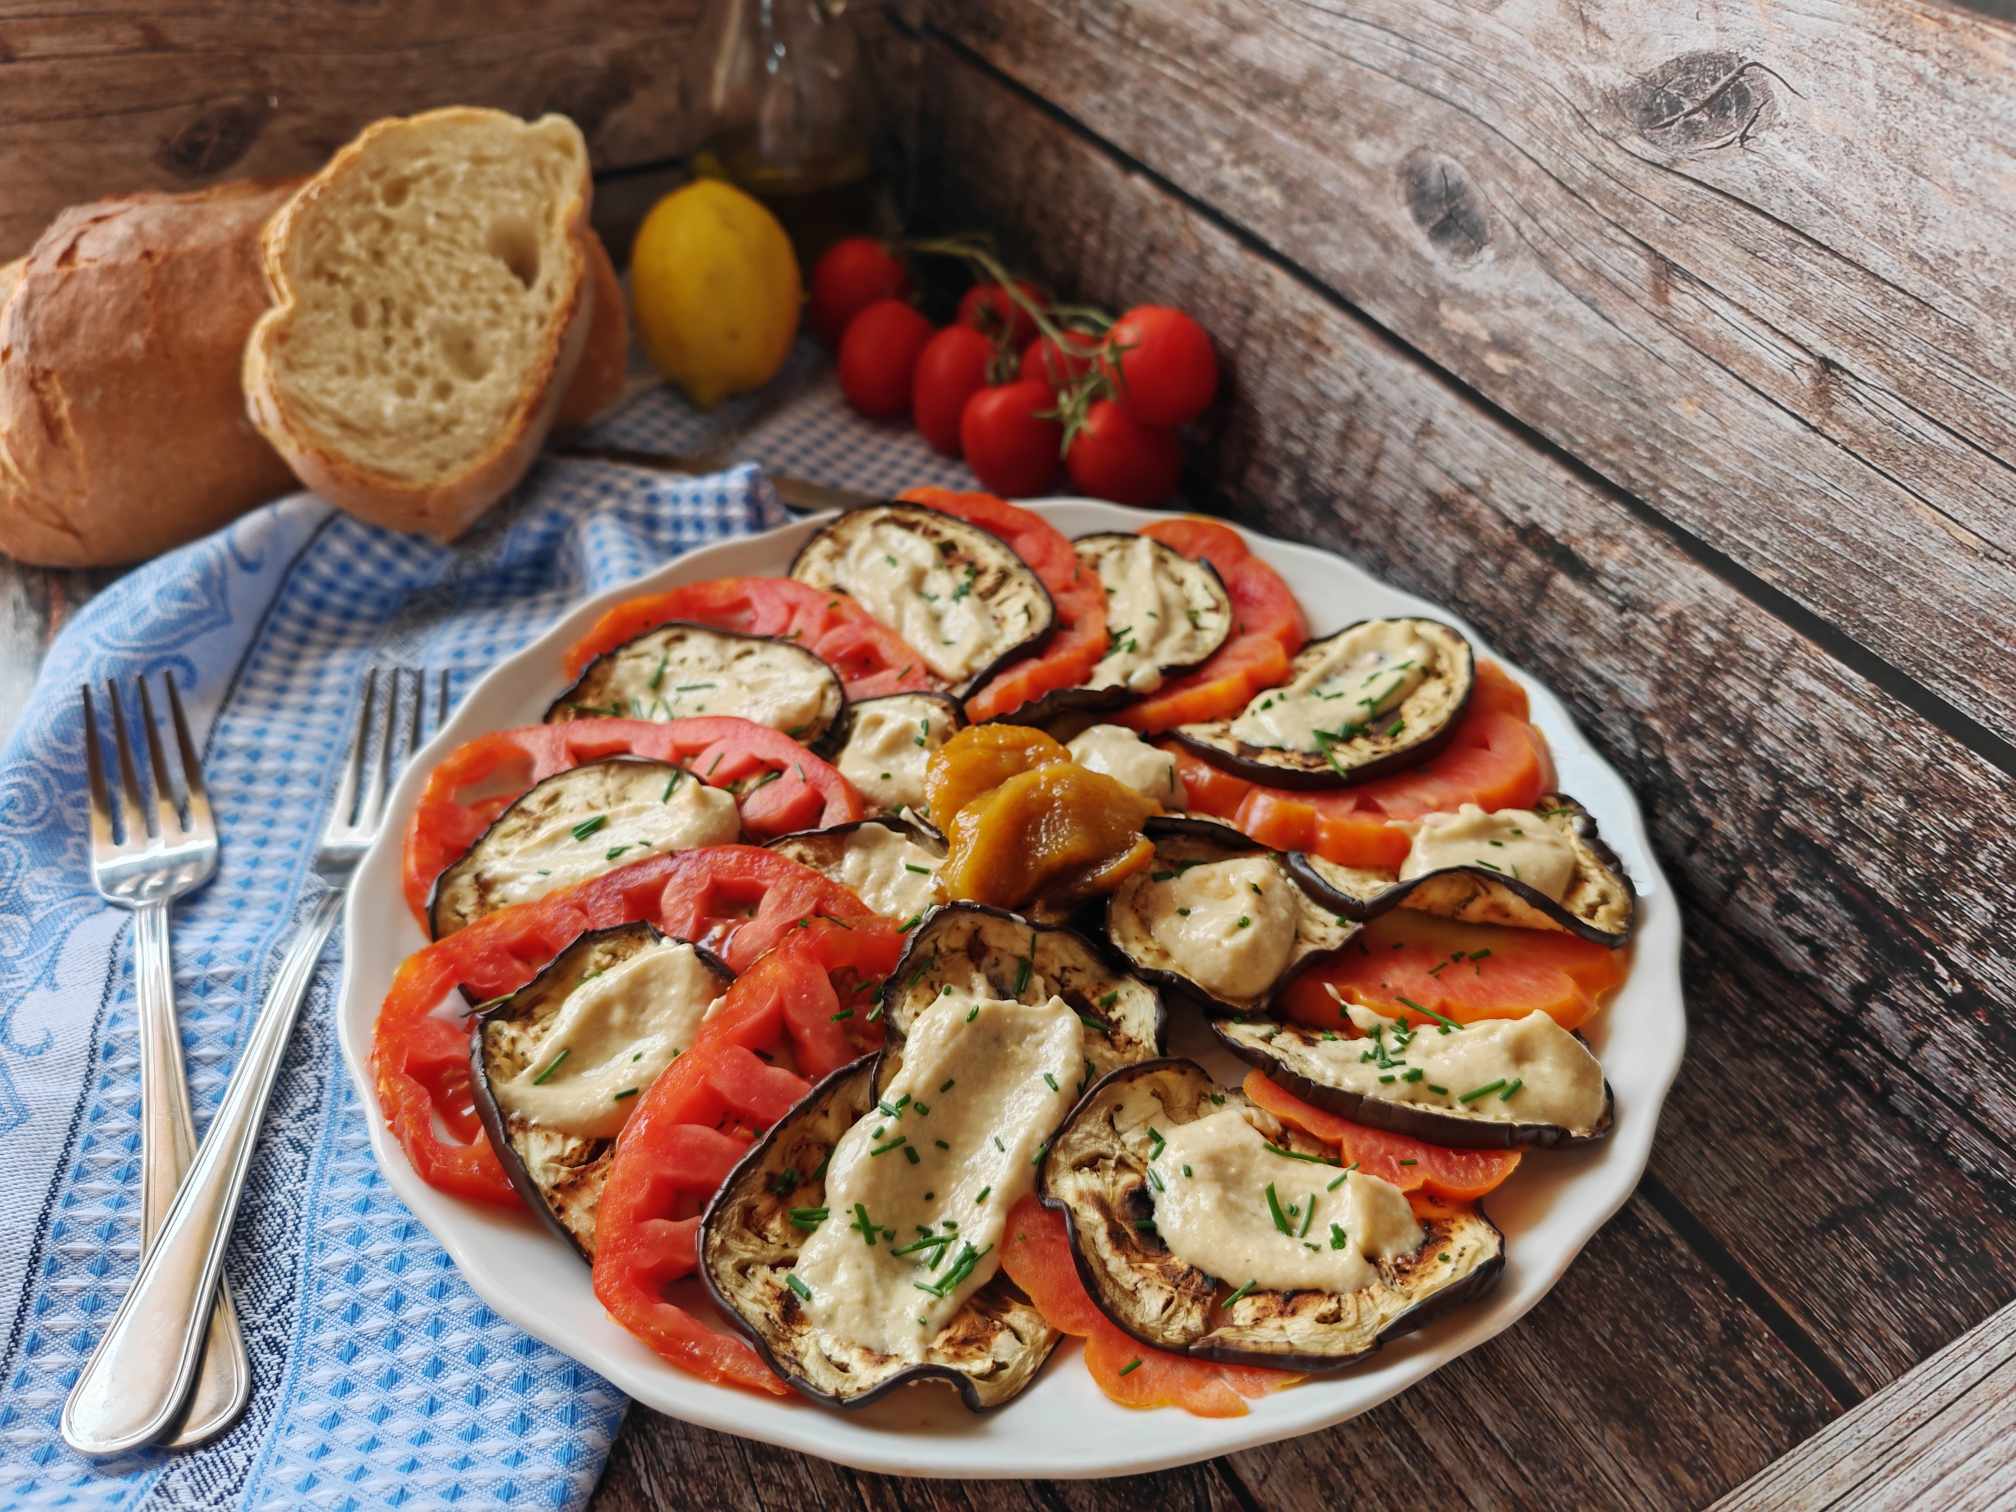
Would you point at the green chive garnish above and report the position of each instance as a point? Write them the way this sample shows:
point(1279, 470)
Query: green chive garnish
point(540, 1079)
point(791, 1280)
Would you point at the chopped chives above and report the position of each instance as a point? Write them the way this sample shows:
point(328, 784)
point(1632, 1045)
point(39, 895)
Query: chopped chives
point(540, 1079)
point(1298, 1155)
point(1336, 1237)
point(1447, 1024)
point(1274, 1207)
point(1307, 1214)
point(883, 1149)
point(1052, 1080)
point(791, 1280)
point(1131, 1366)
point(1484, 1091)
point(808, 1217)
point(983, 1194)
point(626, 1092)
point(1516, 1084)
point(588, 826)
point(1240, 1293)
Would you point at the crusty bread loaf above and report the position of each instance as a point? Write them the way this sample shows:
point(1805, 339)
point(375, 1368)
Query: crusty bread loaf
point(605, 362)
point(122, 424)
point(432, 298)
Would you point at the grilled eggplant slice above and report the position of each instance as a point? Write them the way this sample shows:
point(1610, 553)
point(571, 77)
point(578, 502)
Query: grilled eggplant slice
point(1166, 614)
point(1557, 1092)
point(548, 1103)
point(1374, 698)
point(1572, 881)
point(972, 950)
point(890, 864)
point(960, 596)
point(683, 671)
point(751, 1238)
point(886, 743)
point(578, 824)
point(1098, 1172)
point(1220, 919)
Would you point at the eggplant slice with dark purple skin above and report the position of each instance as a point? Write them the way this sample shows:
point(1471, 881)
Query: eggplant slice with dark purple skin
point(1097, 1172)
point(750, 1240)
point(578, 824)
point(1166, 615)
point(684, 671)
point(1303, 1060)
point(1598, 901)
point(972, 950)
point(513, 1068)
point(962, 598)
point(1220, 919)
point(1375, 698)
point(889, 864)
point(883, 745)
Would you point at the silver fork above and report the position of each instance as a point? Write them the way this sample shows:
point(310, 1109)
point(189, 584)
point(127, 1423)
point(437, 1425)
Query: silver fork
point(145, 866)
point(142, 1370)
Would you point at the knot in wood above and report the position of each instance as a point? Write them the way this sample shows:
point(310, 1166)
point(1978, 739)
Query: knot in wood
point(1444, 204)
point(1699, 101)
point(216, 139)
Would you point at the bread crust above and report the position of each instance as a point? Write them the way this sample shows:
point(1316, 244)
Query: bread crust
point(122, 426)
point(446, 508)
point(605, 361)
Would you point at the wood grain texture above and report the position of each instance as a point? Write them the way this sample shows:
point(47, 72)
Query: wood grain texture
point(1944, 1435)
point(1503, 1427)
point(35, 603)
point(123, 96)
point(1751, 261)
point(1843, 884)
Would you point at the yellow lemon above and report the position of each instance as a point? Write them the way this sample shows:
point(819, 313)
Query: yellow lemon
point(716, 290)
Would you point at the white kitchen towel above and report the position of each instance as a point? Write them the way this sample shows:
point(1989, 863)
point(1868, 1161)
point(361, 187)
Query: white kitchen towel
point(381, 1380)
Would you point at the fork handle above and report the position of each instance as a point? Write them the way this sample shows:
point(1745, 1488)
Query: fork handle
point(167, 1145)
point(136, 1381)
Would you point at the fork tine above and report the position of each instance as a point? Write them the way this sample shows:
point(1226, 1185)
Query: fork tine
point(132, 815)
point(441, 708)
point(353, 769)
point(200, 818)
point(413, 726)
point(94, 769)
point(167, 817)
point(388, 724)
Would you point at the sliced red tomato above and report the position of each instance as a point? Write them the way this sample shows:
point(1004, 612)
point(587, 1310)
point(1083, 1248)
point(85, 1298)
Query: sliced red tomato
point(1406, 960)
point(1067, 658)
point(1410, 1164)
point(478, 780)
point(1496, 759)
point(871, 658)
point(1037, 1257)
point(739, 900)
point(1267, 629)
point(694, 1122)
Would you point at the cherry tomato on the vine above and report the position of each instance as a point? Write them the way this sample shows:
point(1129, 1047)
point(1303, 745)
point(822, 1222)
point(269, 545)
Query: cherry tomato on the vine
point(988, 308)
point(1114, 456)
point(878, 357)
point(951, 370)
point(1011, 448)
point(849, 277)
point(1167, 370)
point(1047, 362)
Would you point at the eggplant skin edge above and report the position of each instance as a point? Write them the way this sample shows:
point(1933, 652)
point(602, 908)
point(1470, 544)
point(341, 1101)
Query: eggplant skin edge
point(1327, 778)
point(1469, 1289)
point(1027, 647)
point(1422, 1123)
point(752, 1159)
point(1365, 910)
point(491, 1116)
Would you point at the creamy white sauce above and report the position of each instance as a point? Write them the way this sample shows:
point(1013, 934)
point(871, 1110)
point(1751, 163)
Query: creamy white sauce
point(1228, 925)
point(1126, 757)
point(1557, 1080)
point(889, 746)
point(641, 822)
point(765, 682)
point(1151, 621)
point(613, 1035)
point(1363, 675)
point(1515, 843)
point(1001, 1058)
point(900, 577)
point(1210, 1189)
point(888, 871)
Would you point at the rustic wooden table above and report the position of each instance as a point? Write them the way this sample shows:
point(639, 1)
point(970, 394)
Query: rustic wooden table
point(1674, 343)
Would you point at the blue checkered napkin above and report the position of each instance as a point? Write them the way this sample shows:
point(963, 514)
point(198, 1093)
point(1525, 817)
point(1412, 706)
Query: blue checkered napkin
point(381, 1380)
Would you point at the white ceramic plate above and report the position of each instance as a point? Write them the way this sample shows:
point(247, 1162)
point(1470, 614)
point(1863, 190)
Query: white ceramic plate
point(1062, 1426)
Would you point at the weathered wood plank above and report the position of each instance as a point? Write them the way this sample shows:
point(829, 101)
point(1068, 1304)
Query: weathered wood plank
point(1843, 865)
point(1752, 262)
point(34, 604)
point(1503, 1427)
point(1943, 1435)
point(128, 96)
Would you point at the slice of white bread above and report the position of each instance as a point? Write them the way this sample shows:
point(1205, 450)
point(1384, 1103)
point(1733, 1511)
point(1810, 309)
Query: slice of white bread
point(432, 297)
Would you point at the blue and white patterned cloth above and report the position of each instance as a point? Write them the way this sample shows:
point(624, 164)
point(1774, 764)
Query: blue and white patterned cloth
point(380, 1379)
